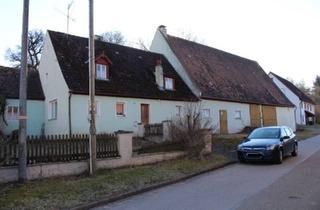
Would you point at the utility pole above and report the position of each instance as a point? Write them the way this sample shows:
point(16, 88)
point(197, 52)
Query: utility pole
point(23, 95)
point(92, 77)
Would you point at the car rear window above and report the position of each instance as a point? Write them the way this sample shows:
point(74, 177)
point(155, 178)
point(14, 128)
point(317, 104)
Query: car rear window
point(265, 133)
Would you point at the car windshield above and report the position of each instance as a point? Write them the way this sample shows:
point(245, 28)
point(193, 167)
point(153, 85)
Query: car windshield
point(265, 133)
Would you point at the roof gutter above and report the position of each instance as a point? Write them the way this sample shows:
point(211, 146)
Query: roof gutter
point(69, 113)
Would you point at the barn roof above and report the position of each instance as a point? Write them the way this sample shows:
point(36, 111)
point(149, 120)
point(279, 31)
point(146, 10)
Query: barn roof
point(224, 76)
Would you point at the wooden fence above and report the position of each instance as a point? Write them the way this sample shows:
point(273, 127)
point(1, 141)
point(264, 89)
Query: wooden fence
point(58, 148)
point(153, 129)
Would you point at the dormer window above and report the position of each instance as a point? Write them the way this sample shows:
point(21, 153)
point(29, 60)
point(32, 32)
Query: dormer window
point(102, 72)
point(169, 83)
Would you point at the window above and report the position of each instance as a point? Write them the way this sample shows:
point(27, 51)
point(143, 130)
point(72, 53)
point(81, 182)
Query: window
point(178, 111)
point(205, 113)
point(97, 108)
point(102, 72)
point(120, 109)
point(168, 83)
point(12, 112)
point(238, 115)
point(52, 110)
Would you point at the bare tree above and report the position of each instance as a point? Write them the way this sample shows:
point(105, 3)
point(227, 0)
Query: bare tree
point(35, 46)
point(115, 37)
point(191, 37)
point(189, 129)
point(142, 45)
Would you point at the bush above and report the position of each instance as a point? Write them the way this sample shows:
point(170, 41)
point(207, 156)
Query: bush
point(190, 129)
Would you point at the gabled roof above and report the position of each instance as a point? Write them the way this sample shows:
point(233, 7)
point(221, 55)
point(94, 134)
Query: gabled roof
point(9, 84)
point(131, 72)
point(301, 95)
point(223, 76)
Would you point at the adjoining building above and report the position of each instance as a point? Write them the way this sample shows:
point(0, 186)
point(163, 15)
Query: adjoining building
point(304, 105)
point(9, 90)
point(235, 91)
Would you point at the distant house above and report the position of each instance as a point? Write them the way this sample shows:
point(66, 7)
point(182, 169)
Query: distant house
point(235, 91)
point(9, 88)
point(304, 105)
point(132, 86)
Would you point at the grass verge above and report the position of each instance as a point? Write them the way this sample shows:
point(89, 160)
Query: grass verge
point(304, 134)
point(66, 192)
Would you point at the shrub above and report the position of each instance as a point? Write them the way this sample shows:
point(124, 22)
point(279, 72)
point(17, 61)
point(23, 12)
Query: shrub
point(190, 129)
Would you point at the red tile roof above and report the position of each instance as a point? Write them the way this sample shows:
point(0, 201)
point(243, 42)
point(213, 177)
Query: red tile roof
point(223, 76)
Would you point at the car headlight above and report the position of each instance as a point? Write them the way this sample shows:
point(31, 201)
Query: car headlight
point(270, 147)
point(239, 147)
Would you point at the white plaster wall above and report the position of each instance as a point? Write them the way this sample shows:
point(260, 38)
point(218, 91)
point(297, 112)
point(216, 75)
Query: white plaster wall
point(234, 125)
point(35, 112)
point(299, 112)
point(107, 121)
point(285, 116)
point(160, 45)
point(54, 87)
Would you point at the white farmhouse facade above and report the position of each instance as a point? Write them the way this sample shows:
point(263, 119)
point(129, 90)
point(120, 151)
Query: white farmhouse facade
point(234, 91)
point(133, 87)
point(304, 105)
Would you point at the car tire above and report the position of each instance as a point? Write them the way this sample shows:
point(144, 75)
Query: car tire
point(295, 151)
point(241, 158)
point(279, 157)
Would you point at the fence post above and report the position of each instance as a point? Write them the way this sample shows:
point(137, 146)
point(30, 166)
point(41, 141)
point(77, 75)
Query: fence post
point(208, 141)
point(140, 130)
point(166, 135)
point(125, 144)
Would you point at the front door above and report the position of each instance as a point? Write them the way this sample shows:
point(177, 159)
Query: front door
point(223, 122)
point(145, 114)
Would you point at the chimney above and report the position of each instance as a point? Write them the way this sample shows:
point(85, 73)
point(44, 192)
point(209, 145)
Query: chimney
point(163, 29)
point(98, 37)
point(159, 74)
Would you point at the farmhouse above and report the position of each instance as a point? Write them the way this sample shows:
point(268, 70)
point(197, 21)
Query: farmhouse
point(304, 105)
point(234, 91)
point(9, 89)
point(133, 86)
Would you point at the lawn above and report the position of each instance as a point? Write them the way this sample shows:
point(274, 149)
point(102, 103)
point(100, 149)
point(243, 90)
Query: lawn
point(72, 191)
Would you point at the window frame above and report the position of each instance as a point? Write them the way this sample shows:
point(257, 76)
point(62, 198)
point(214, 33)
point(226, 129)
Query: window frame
point(106, 73)
point(10, 116)
point(236, 116)
point(123, 107)
point(204, 110)
point(53, 109)
point(178, 110)
point(165, 83)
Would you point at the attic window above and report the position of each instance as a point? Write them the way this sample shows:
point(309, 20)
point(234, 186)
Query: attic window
point(102, 72)
point(169, 83)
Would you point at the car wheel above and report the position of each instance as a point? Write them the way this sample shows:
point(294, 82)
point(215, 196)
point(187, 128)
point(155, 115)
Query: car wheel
point(241, 159)
point(295, 150)
point(279, 157)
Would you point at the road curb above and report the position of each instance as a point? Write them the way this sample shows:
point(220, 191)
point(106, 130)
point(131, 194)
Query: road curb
point(146, 189)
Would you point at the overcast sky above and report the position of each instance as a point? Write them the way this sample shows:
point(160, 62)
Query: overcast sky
point(282, 35)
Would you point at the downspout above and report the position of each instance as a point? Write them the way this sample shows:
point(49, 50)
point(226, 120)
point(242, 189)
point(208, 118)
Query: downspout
point(69, 113)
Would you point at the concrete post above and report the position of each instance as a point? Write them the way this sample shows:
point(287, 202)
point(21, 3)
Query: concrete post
point(125, 145)
point(208, 141)
point(166, 135)
point(140, 132)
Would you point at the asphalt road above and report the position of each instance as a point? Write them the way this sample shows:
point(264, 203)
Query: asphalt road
point(240, 186)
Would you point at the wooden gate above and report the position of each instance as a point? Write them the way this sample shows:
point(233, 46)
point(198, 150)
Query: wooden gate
point(269, 114)
point(255, 115)
point(223, 121)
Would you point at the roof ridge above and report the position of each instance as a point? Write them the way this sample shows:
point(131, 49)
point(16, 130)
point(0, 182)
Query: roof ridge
point(210, 47)
point(118, 45)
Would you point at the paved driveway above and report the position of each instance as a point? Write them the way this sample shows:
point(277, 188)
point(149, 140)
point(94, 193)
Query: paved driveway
point(226, 188)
